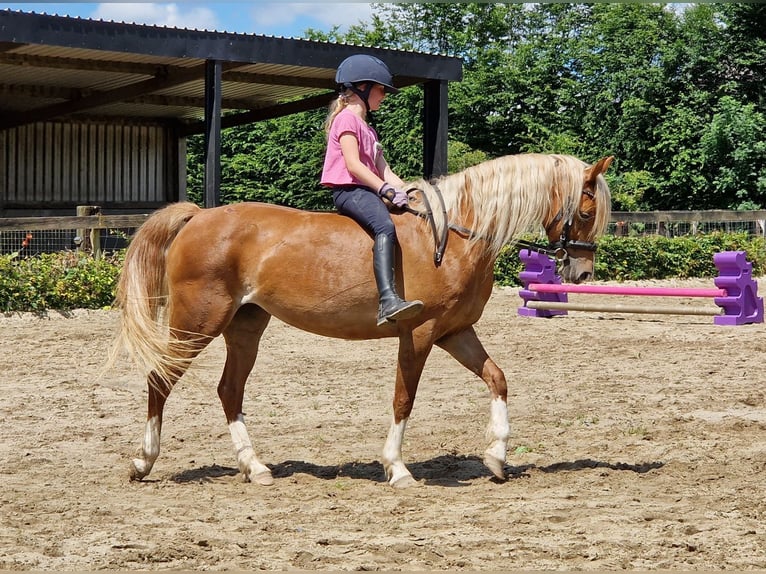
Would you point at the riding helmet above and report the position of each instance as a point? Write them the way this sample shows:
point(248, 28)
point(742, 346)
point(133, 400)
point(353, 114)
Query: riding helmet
point(364, 68)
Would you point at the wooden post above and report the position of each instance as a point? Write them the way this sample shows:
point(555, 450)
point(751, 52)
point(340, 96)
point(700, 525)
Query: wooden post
point(90, 239)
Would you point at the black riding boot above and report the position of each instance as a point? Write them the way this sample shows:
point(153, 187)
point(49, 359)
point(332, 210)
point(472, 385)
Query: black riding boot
point(391, 307)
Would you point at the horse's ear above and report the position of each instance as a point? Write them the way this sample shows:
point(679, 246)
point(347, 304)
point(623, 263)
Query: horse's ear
point(600, 166)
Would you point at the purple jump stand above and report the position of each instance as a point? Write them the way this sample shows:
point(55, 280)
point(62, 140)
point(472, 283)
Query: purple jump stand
point(741, 304)
point(539, 268)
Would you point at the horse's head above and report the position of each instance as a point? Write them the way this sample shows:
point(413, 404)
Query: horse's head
point(573, 228)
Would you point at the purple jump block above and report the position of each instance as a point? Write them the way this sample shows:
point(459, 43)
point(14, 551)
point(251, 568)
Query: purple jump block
point(539, 268)
point(741, 304)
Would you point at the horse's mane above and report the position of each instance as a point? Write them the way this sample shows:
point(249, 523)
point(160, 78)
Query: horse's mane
point(500, 199)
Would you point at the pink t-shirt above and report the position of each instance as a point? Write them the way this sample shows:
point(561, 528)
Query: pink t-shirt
point(334, 171)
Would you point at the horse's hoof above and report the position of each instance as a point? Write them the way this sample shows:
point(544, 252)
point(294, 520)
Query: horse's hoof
point(404, 481)
point(137, 471)
point(496, 466)
point(263, 478)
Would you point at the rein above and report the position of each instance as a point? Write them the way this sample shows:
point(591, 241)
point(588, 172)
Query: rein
point(557, 250)
point(440, 243)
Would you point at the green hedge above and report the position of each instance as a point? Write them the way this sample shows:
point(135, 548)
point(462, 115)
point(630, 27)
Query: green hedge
point(62, 281)
point(70, 280)
point(654, 257)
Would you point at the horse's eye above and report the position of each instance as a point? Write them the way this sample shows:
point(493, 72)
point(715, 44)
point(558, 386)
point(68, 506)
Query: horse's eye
point(585, 216)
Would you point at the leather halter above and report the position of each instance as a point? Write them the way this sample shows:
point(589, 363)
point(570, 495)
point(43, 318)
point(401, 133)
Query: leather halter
point(555, 249)
point(558, 249)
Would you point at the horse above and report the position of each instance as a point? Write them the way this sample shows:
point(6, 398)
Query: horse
point(191, 274)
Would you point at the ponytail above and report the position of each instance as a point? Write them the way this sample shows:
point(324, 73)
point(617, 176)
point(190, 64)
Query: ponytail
point(336, 107)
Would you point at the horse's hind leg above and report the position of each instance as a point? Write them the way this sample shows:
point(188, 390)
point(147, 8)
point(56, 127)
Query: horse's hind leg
point(159, 390)
point(242, 337)
point(469, 352)
point(190, 339)
point(150, 446)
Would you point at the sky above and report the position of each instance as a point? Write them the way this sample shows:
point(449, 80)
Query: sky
point(272, 18)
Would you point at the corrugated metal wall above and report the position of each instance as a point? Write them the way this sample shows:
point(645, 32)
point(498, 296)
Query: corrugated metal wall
point(60, 165)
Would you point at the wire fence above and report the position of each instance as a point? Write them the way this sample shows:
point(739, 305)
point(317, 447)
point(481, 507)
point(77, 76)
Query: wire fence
point(31, 236)
point(684, 228)
point(36, 242)
point(31, 243)
point(94, 233)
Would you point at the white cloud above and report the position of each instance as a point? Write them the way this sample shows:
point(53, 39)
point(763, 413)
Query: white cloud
point(158, 14)
point(322, 15)
point(253, 16)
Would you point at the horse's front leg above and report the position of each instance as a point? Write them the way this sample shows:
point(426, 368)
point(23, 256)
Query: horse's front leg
point(413, 352)
point(469, 352)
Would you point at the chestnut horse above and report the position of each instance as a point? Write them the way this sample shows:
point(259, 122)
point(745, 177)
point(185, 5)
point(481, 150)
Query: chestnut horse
point(192, 274)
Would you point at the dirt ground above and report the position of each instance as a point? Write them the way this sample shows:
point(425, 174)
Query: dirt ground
point(638, 442)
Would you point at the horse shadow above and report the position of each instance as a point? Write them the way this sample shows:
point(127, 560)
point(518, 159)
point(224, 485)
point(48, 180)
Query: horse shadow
point(444, 470)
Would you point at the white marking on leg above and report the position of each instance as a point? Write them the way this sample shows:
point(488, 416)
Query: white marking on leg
point(498, 431)
point(396, 471)
point(150, 448)
point(248, 463)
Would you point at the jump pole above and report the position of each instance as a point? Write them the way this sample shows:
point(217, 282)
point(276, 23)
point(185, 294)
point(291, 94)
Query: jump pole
point(622, 308)
point(627, 290)
point(735, 295)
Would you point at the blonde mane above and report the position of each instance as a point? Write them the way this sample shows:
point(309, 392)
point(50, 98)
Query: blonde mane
point(501, 199)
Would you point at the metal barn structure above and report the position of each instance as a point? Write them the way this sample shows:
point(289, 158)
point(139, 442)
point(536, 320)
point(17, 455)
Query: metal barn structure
point(96, 113)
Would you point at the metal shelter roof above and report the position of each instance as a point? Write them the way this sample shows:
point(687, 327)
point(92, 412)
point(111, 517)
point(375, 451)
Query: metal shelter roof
point(58, 67)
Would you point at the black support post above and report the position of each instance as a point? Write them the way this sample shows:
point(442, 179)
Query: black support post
point(435, 112)
point(213, 133)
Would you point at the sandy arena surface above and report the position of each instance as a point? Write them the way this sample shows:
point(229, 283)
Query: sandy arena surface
point(638, 442)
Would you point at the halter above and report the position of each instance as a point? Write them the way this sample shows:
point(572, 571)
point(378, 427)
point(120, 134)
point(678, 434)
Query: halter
point(557, 249)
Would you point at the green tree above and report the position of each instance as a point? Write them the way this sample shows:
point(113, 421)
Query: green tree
point(618, 59)
point(690, 86)
point(745, 50)
point(676, 94)
point(676, 161)
point(399, 125)
point(734, 147)
point(485, 106)
point(274, 161)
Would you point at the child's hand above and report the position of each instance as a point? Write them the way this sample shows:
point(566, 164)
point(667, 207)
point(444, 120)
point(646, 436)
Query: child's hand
point(400, 198)
point(395, 196)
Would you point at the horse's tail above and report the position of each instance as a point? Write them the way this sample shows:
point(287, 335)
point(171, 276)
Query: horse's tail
point(142, 291)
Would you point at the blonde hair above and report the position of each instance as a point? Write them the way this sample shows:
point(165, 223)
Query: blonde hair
point(336, 107)
point(502, 198)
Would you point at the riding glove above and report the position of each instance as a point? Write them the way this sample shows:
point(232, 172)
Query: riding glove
point(395, 196)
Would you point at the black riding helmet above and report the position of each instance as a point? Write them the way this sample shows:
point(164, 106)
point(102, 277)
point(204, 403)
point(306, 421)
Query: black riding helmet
point(363, 68)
